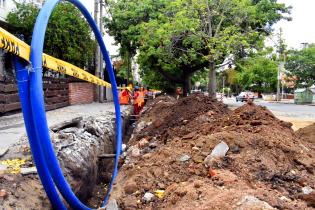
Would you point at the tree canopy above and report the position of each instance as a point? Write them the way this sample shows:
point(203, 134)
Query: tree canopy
point(301, 63)
point(259, 74)
point(177, 38)
point(68, 35)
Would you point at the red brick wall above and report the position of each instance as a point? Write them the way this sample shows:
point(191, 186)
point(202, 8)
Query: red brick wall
point(81, 93)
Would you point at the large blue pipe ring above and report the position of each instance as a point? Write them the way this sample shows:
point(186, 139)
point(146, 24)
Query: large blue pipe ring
point(41, 145)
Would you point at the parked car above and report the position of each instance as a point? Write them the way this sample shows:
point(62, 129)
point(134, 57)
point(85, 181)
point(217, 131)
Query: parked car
point(243, 96)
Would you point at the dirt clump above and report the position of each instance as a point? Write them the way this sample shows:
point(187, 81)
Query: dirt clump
point(267, 165)
point(307, 133)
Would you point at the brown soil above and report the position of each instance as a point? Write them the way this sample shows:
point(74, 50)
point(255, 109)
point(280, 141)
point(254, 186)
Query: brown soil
point(307, 133)
point(177, 118)
point(265, 160)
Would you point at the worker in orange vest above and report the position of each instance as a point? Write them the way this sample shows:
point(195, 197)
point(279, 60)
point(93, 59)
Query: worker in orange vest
point(136, 102)
point(125, 96)
point(142, 96)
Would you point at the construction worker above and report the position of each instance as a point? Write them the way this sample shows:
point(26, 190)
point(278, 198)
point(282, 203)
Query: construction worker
point(141, 97)
point(136, 102)
point(125, 96)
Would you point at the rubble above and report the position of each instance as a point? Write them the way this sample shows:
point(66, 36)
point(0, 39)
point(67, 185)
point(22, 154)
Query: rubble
point(3, 194)
point(253, 203)
point(307, 190)
point(3, 151)
point(148, 197)
point(27, 171)
point(184, 158)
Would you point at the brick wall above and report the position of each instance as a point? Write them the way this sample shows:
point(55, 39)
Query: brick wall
point(81, 93)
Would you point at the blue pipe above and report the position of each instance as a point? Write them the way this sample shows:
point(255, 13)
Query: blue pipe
point(38, 107)
point(22, 79)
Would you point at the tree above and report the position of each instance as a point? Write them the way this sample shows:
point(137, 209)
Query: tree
point(68, 36)
point(123, 23)
point(182, 37)
point(258, 73)
point(301, 63)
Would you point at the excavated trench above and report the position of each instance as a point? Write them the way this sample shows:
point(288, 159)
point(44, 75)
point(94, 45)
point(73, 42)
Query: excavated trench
point(105, 167)
point(80, 145)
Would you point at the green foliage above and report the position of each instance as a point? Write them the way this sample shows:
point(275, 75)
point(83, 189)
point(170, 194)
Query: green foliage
point(258, 74)
point(301, 63)
point(68, 36)
point(177, 38)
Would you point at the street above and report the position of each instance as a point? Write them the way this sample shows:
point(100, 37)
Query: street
point(299, 115)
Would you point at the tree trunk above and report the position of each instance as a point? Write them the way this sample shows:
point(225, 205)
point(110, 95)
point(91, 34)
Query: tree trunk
point(212, 86)
point(186, 85)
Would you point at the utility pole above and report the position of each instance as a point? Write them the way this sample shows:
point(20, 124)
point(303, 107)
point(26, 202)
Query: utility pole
point(281, 49)
point(278, 84)
point(101, 55)
point(97, 52)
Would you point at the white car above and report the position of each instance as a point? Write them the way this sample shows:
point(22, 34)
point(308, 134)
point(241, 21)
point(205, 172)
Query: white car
point(244, 96)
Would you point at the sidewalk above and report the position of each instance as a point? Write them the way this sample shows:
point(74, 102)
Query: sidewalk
point(12, 127)
point(283, 101)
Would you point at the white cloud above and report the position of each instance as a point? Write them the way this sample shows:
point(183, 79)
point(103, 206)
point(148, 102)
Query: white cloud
point(301, 29)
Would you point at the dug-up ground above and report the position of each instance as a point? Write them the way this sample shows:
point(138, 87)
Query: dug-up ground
point(195, 153)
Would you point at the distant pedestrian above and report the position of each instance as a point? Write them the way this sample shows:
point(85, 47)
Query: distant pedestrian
point(179, 92)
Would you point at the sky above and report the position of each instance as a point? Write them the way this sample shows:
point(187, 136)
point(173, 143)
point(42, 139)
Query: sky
point(109, 41)
point(300, 30)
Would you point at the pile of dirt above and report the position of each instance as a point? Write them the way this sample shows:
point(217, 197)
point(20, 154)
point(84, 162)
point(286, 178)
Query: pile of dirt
point(169, 118)
point(307, 133)
point(266, 167)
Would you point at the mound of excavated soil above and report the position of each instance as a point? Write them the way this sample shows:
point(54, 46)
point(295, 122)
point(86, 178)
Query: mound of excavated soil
point(307, 133)
point(172, 118)
point(266, 167)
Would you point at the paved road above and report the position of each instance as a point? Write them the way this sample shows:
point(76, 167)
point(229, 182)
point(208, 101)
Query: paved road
point(12, 127)
point(299, 115)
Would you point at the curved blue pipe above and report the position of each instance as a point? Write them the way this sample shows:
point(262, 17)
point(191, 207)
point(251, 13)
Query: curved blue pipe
point(38, 107)
point(22, 79)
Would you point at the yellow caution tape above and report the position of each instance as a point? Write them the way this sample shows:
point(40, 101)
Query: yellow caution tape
point(17, 47)
point(14, 166)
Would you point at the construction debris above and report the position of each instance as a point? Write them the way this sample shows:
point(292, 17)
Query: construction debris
point(256, 159)
point(27, 171)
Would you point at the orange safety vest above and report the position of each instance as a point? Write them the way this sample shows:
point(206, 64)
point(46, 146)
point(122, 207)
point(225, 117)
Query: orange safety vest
point(137, 98)
point(123, 100)
point(141, 98)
